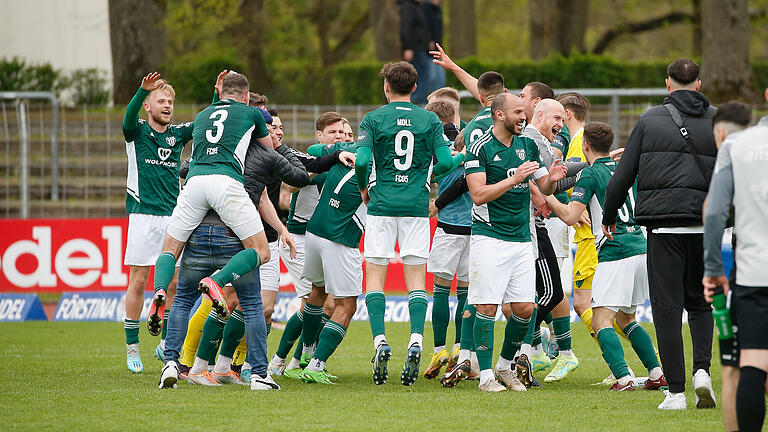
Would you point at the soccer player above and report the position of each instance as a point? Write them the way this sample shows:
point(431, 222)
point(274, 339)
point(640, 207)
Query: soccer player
point(154, 152)
point(349, 134)
point(501, 266)
point(545, 126)
point(333, 262)
point(450, 95)
point(450, 251)
point(401, 139)
point(329, 129)
point(621, 279)
point(222, 133)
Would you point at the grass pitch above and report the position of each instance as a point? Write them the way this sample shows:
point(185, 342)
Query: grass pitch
point(72, 376)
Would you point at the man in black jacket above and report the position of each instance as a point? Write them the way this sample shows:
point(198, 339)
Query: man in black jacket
point(672, 165)
point(415, 36)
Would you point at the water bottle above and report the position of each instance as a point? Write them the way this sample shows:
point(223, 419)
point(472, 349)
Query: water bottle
point(721, 315)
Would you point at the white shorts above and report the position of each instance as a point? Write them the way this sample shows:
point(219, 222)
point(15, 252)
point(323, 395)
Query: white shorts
point(620, 285)
point(411, 233)
point(449, 256)
point(500, 271)
point(337, 267)
point(146, 234)
point(269, 273)
point(558, 235)
point(221, 193)
point(295, 266)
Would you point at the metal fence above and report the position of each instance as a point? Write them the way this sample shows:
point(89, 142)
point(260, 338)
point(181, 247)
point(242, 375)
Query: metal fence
point(74, 163)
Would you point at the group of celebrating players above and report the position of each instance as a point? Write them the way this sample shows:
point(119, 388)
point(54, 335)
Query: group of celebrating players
point(510, 182)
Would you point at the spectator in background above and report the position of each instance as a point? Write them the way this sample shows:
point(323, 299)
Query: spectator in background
point(415, 37)
point(434, 14)
point(671, 153)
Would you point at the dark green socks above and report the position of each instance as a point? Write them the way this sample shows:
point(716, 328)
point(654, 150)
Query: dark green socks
point(240, 264)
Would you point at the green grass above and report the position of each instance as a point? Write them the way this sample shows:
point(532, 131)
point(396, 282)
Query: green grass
point(72, 376)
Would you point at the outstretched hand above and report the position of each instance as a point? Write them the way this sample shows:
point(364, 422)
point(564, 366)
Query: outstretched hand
point(151, 81)
point(221, 76)
point(440, 58)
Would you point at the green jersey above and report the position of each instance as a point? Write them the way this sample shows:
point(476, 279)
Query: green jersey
point(590, 190)
point(478, 126)
point(222, 134)
point(561, 140)
point(340, 212)
point(403, 138)
point(508, 216)
point(153, 162)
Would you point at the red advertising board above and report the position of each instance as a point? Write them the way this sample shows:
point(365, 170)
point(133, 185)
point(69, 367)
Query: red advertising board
point(56, 255)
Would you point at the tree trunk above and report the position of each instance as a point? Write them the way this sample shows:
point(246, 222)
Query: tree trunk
point(540, 27)
point(137, 36)
point(462, 28)
point(250, 31)
point(726, 72)
point(385, 24)
point(696, 27)
point(570, 25)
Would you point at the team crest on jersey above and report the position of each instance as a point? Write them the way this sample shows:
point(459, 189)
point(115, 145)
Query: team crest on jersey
point(171, 140)
point(164, 153)
point(520, 153)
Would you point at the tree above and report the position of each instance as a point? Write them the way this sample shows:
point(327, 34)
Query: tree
point(726, 71)
point(557, 26)
point(137, 38)
point(463, 29)
point(250, 31)
point(384, 22)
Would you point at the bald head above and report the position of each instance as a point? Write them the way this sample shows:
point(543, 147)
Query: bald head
point(503, 100)
point(548, 118)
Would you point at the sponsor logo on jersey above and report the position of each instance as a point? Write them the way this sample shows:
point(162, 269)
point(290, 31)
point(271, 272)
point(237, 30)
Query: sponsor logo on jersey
point(520, 153)
point(578, 192)
point(472, 164)
point(363, 134)
point(171, 140)
point(164, 153)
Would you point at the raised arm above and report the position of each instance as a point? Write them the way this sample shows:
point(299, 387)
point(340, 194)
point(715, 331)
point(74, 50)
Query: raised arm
point(269, 214)
point(469, 82)
point(148, 83)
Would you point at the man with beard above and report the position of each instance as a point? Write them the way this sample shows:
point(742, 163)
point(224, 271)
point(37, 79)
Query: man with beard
point(154, 149)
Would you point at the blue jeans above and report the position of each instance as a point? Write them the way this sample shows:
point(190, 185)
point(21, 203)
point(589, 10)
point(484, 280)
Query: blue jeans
point(422, 61)
point(208, 249)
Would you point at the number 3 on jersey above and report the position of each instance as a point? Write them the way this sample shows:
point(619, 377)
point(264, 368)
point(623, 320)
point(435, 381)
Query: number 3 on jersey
point(404, 149)
point(220, 115)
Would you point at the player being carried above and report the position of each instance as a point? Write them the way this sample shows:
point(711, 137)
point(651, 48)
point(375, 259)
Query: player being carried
point(401, 139)
point(621, 278)
point(154, 152)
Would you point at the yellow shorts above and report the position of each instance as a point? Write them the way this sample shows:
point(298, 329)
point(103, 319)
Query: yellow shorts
point(584, 264)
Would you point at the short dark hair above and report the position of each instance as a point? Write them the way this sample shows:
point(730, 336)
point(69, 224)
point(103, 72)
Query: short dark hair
point(599, 135)
point(490, 83)
point(734, 112)
point(541, 90)
point(575, 102)
point(234, 83)
point(683, 70)
point(401, 76)
point(499, 103)
point(273, 112)
point(326, 119)
point(444, 110)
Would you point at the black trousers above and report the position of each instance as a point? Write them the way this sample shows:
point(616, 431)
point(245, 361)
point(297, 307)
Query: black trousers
point(675, 269)
point(549, 287)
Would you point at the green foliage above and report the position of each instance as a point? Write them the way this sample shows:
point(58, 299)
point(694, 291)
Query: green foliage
point(16, 74)
point(193, 80)
point(89, 86)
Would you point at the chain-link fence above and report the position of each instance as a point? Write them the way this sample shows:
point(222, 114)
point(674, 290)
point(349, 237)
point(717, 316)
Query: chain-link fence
point(92, 166)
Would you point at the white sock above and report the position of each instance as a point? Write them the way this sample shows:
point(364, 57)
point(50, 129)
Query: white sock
point(655, 373)
point(566, 352)
point(503, 364)
point(439, 348)
point(162, 344)
point(486, 375)
point(473, 360)
point(378, 340)
point(315, 365)
point(416, 338)
point(293, 364)
point(245, 366)
point(277, 359)
point(200, 366)
point(527, 350)
point(537, 349)
point(456, 346)
point(625, 380)
point(309, 349)
point(222, 364)
point(463, 355)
